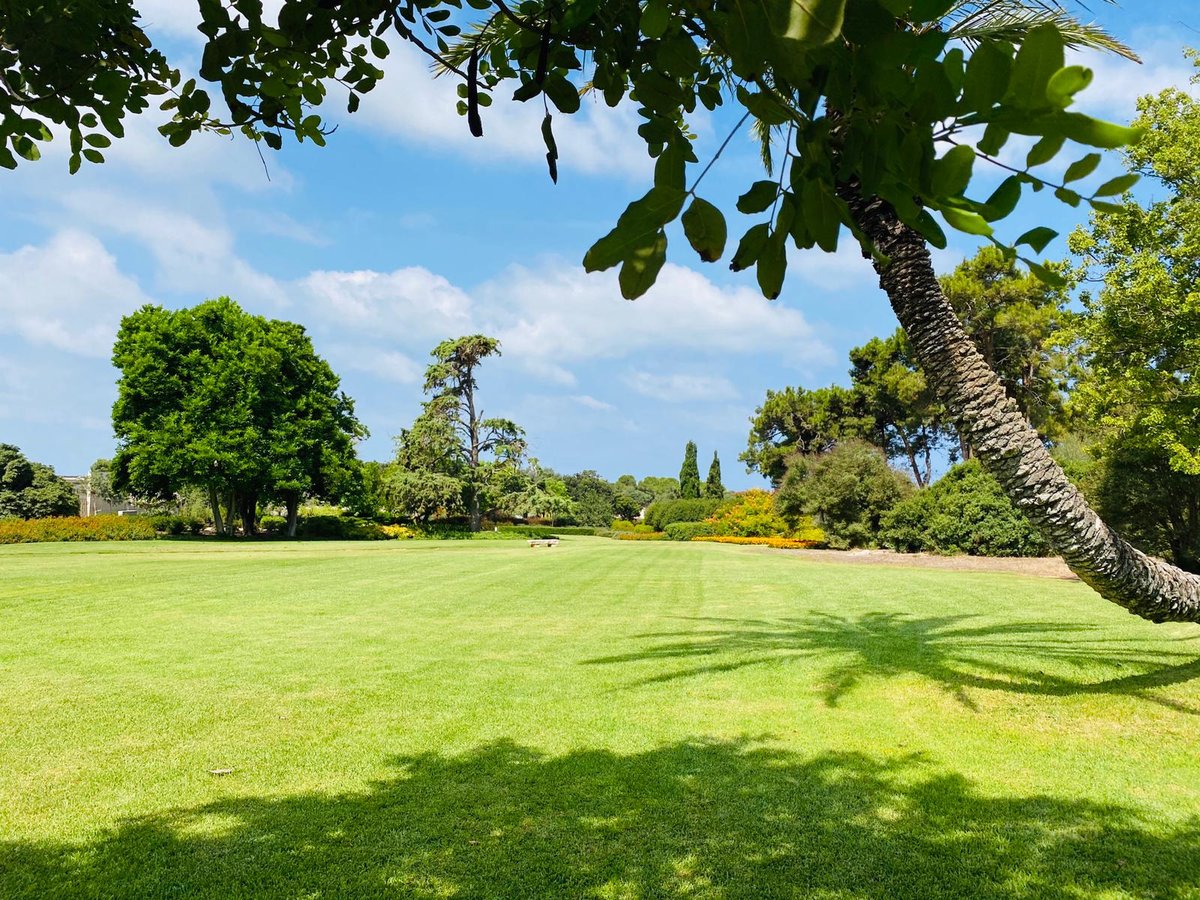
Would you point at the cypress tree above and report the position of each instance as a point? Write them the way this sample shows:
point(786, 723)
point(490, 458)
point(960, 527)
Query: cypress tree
point(713, 487)
point(689, 475)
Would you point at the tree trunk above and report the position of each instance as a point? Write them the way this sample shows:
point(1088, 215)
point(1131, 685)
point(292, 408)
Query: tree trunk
point(249, 511)
point(215, 502)
point(992, 425)
point(293, 512)
point(476, 512)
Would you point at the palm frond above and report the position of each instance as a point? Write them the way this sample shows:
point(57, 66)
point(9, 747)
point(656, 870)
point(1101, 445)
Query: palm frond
point(973, 21)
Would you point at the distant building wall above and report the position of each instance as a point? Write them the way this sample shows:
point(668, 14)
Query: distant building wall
point(90, 502)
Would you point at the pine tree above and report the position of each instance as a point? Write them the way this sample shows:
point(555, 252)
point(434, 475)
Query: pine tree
point(689, 475)
point(713, 487)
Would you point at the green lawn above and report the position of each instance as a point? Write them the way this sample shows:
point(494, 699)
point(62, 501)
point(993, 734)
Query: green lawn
point(604, 719)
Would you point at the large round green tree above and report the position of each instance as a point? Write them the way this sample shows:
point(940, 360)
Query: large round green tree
point(236, 404)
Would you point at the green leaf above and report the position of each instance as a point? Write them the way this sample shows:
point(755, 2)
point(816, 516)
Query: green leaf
point(26, 148)
point(1045, 150)
point(986, 79)
point(1096, 132)
point(1118, 185)
point(929, 10)
point(642, 218)
point(822, 215)
point(670, 168)
point(1004, 199)
point(1037, 238)
point(772, 265)
point(1068, 196)
point(655, 17)
point(952, 173)
point(1066, 83)
point(760, 196)
point(1045, 274)
point(749, 247)
point(930, 229)
point(641, 267)
point(1040, 57)
point(1081, 168)
point(966, 221)
point(813, 23)
point(562, 94)
point(704, 226)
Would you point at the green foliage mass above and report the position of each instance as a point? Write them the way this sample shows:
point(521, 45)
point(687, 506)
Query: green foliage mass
point(662, 513)
point(795, 420)
point(965, 511)
point(685, 531)
point(236, 404)
point(31, 490)
point(689, 474)
point(713, 488)
point(847, 490)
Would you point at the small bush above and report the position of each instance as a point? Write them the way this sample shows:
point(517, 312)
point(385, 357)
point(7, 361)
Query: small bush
point(622, 525)
point(341, 528)
point(662, 513)
point(686, 531)
point(273, 525)
point(76, 528)
point(965, 512)
point(847, 490)
point(443, 531)
point(749, 514)
point(641, 536)
point(399, 532)
point(577, 529)
point(177, 525)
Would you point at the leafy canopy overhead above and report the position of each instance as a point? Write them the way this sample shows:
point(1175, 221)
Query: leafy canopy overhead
point(898, 98)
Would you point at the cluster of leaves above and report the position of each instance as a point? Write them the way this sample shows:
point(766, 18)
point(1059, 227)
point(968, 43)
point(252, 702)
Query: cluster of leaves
point(966, 511)
point(31, 490)
point(777, 543)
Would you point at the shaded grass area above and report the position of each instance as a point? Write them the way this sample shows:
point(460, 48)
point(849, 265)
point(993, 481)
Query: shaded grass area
point(601, 720)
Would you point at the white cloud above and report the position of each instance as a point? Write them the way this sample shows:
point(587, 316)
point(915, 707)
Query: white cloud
point(591, 402)
point(67, 294)
point(411, 304)
point(390, 365)
point(680, 387)
point(1118, 82)
point(558, 316)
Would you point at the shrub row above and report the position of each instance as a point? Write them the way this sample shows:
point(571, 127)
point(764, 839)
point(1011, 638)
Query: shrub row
point(640, 536)
point(779, 543)
point(76, 528)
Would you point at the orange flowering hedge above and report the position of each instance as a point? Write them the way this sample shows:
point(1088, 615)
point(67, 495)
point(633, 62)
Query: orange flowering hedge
point(76, 528)
point(779, 543)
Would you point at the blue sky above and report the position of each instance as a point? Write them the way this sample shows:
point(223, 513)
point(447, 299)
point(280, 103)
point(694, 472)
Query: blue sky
point(405, 231)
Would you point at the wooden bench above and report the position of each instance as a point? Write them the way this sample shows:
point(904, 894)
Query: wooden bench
point(543, 542)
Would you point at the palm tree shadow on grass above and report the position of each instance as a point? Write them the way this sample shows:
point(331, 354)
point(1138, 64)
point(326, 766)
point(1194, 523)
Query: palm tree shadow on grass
point(952, 651)
point(698, 819)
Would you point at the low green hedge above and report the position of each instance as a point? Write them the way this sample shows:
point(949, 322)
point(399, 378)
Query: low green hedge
point(685, 531)
point(76, 528)
point(177, 525)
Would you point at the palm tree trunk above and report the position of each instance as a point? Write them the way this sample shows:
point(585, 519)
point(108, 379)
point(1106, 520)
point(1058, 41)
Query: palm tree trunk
point(999, 435)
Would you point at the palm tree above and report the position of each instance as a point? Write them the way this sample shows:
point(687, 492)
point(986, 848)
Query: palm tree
point(1005, 442)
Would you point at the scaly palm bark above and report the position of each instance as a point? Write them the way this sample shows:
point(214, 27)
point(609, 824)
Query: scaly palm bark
point(1007, 445)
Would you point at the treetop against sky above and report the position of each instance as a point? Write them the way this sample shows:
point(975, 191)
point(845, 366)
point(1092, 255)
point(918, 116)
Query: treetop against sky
point(406, 230)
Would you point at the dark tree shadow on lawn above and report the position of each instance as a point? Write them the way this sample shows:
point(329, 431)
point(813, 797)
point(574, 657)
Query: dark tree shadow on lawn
point(693, 819)
point(951, 651)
